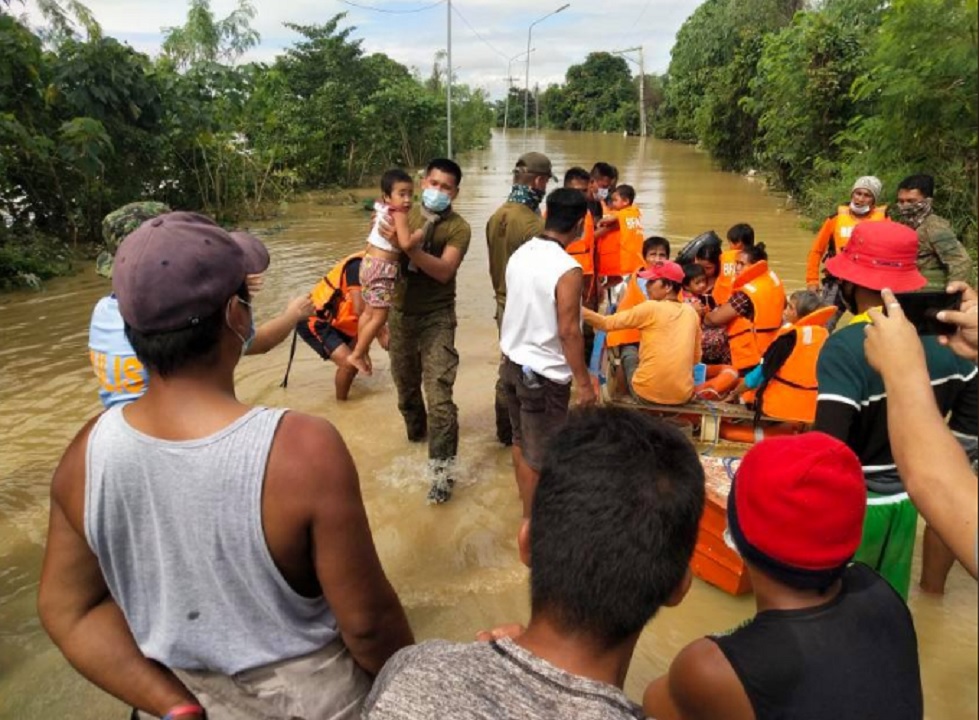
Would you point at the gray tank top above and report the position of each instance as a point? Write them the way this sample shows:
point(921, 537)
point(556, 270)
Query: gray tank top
point(177, 530)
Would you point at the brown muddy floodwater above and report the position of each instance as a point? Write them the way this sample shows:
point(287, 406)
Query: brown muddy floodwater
point(454, 566)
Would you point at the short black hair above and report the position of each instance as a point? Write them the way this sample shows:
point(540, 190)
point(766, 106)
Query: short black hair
point(654, 241)
point(166, 353)
point(806, 302)
point(692, 271)
point(756, 253)
point(614, 521)
point(925, 184)
point(450, 167)
point(565, 209)
point(742, 233)
point(392, 177)
point(603, 169)
point(576, 173)
point(626, 192)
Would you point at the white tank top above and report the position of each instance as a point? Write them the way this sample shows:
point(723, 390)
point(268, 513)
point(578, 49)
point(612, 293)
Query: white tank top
point(529, 333)
point(382, 214)
point(177, 530)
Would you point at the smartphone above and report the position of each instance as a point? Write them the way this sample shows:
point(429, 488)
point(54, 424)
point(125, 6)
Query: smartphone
point(922, 308)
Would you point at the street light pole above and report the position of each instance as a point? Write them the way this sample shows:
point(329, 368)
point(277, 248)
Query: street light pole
point(509, 87)
point(448, 83)
point(642, 85)
point(526, 96)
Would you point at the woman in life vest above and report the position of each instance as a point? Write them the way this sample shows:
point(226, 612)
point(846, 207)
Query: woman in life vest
point(332, 328)
point(753, 314)
point(784, 384)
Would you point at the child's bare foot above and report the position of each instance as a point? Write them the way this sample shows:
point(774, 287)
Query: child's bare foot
point(362, 364)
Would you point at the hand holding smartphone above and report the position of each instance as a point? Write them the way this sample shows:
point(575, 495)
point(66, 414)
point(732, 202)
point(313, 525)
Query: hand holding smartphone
point(922, 308)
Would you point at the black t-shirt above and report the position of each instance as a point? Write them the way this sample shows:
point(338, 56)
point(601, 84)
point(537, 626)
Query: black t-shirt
point(854, 658)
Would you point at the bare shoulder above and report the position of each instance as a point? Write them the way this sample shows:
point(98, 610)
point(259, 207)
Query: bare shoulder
point(704, 685)
point(309, 453)
point(68, 483)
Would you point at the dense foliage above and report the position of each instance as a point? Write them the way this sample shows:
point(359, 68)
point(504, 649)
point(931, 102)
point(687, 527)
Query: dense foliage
point(88, 124)
point(816, 96)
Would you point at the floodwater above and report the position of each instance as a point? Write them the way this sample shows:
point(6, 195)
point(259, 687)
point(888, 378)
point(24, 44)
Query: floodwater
point(454, 566)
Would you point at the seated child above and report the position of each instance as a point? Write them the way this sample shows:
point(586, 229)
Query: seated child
point(619, 235)
point(381, 264)
point(713, 339)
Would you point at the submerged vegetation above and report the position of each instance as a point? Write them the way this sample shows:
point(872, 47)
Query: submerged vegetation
point(88, 124)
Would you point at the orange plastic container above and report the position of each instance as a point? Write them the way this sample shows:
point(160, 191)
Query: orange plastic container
point(713, 560)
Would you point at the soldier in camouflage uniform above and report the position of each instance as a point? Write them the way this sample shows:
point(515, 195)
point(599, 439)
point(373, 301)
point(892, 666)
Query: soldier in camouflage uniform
point(941, 257)
point(422, 325)
point(118, 224)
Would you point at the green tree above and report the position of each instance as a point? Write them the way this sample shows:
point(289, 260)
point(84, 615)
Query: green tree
point(599, 94)
point(204, 38)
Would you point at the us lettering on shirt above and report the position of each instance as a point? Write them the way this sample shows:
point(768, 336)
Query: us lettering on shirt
point(116, 373)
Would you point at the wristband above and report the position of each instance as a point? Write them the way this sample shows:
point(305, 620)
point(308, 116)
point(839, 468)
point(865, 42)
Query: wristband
point(182, 710)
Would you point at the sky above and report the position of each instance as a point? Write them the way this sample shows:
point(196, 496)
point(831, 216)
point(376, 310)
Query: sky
point(486, 34)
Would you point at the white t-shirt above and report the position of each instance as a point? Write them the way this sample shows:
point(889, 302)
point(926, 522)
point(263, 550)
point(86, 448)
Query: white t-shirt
point(529, 333)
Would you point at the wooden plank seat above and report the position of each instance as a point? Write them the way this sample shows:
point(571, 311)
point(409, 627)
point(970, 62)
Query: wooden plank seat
point(710, 414)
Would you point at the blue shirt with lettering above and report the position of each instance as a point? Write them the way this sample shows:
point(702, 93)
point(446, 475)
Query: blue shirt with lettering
point(122, 377)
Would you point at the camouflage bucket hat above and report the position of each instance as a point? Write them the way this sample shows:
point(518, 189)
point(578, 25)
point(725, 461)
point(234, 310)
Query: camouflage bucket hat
point(121, 222)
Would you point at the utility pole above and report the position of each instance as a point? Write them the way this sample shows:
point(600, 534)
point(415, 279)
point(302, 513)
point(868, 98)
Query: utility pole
point(509, 78)
point(526, 85)
point(642, 84)
point(448, 83)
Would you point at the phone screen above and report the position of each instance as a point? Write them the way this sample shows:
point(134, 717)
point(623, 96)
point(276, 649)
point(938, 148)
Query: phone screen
point(922, 308)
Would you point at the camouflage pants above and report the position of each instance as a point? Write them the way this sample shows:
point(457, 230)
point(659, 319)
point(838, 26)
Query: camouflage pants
point(423, 355)
point(504, 432)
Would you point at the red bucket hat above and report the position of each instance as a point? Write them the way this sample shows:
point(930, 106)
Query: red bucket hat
point(879, 255)
point(178, 268)
point(665, 270)
point(796, 508)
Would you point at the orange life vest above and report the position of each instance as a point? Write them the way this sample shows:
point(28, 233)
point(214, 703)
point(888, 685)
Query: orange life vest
point(726, 273)
point(630, 298)
point(620, 251)
point(750, 339)
point(583, 250)
point(790, 394)
point(846, 221)
point(331, 301)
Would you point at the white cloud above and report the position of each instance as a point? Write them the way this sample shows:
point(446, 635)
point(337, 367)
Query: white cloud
point(413, 39)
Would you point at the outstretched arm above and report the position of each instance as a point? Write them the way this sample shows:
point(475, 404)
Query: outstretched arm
point(271, 332)
point(78, 612)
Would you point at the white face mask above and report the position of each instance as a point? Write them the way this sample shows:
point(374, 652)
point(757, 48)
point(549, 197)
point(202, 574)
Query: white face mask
point(246, 342)
point(602, 194)
point(859, 209)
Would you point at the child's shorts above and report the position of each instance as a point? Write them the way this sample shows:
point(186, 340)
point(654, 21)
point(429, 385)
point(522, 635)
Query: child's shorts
point(377, 278)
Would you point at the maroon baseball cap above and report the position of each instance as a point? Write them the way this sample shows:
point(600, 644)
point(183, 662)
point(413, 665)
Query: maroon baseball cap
point(180, 267)
point(879, 255)
point(665, 270)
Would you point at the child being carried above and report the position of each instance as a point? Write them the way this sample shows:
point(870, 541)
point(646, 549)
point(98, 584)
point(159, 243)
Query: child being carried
point(382, 261)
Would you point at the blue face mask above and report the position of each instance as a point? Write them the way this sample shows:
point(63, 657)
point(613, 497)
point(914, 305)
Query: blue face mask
point(435, 200)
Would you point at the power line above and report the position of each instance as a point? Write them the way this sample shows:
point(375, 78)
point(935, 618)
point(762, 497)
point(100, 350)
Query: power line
point(476, 33)
point(392, 12)
point(641, 13)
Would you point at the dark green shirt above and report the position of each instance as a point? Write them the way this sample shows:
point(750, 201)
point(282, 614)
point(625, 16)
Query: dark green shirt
point(416, 292)
point(508, 228)
point(852, 403)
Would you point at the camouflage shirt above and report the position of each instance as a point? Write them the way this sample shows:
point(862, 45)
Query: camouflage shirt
point(941, 257)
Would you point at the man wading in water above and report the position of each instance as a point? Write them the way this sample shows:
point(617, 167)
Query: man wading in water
point(201, 553)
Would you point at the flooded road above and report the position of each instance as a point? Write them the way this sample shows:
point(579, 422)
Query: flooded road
point(454, 566)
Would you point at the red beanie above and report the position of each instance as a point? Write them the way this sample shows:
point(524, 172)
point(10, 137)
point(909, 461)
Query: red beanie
point(797, 504)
